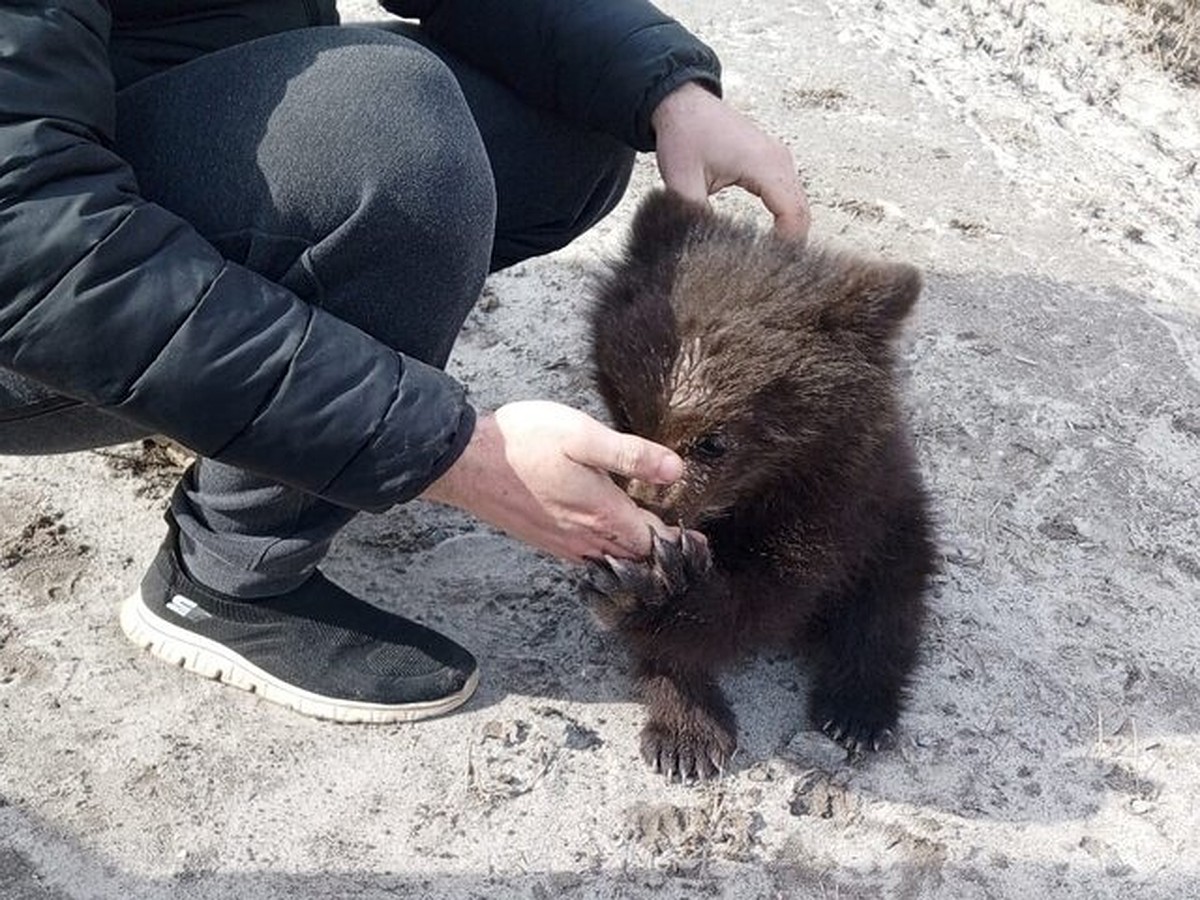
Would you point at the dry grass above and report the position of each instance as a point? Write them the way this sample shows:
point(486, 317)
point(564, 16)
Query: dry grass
point(1171, 30)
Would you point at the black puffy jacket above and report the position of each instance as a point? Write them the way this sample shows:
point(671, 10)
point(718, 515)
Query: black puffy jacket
point(113, 301)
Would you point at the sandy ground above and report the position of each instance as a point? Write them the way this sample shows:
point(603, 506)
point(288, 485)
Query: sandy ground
point(1044, 175)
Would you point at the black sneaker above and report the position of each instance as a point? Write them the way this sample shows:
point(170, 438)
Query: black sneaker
point(317, 649)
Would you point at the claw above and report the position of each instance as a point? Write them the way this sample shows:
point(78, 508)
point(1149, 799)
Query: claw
point(659, 547)
point(687, 764)
point(716, 763)
point(671, 769)
point(885, 741)
point(631, 576)
point(853, 739)
point(618, 567)
point(685, 542)
point(671, 566)
point(600, 577)
point(694, 552)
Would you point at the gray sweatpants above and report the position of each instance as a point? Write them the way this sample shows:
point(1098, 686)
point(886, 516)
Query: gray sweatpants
point(312, 157)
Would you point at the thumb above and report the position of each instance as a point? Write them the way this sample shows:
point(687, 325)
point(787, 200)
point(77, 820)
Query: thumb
point(625, 454)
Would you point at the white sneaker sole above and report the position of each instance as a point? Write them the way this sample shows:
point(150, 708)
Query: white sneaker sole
point(206, 657)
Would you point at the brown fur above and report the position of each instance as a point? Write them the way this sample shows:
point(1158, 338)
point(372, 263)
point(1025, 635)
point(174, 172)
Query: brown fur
point(769, 368)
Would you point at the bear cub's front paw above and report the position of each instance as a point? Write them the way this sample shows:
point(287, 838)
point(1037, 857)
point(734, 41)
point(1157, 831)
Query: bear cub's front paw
point(698, 749)
point(621, 587)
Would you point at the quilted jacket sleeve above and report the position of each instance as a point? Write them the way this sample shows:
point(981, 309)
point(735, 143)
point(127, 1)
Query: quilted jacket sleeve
point(112, 300)
point(606, 63)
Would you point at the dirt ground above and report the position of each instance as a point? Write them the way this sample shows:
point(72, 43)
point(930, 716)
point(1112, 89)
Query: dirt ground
point(1042, 171)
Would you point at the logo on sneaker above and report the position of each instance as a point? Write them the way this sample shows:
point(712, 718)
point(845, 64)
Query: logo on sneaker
point(182, 606)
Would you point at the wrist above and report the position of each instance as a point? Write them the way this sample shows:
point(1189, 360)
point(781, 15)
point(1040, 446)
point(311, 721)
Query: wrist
point(456, 485)
point(682, 102)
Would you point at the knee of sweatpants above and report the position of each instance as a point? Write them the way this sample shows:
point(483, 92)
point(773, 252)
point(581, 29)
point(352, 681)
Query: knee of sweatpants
point(401, 182)
point(586, 186)
point(424, 165)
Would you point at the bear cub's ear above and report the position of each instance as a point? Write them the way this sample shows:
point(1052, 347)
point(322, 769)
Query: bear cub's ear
point(662, 225)
point(875, 298)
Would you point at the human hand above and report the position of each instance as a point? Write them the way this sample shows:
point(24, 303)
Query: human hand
point(539, 471)
point(704, 145)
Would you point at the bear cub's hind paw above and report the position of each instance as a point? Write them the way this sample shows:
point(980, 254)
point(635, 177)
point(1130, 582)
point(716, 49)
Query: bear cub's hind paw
point(858, 727)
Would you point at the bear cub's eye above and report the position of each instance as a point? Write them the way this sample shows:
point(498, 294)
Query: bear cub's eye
point(710, 447)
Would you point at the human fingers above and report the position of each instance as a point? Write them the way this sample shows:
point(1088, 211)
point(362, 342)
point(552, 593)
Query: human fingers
point(788, 203)
point(632, 532)
point(771, 175)
point(594, 444)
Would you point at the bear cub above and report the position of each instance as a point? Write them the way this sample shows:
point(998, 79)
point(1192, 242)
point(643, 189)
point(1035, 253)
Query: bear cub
point(768, 367)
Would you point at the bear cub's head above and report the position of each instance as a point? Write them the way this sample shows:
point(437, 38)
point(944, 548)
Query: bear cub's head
point(767, 365)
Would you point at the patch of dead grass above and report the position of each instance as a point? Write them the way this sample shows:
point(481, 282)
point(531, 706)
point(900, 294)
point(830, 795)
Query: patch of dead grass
point(1171, 32)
